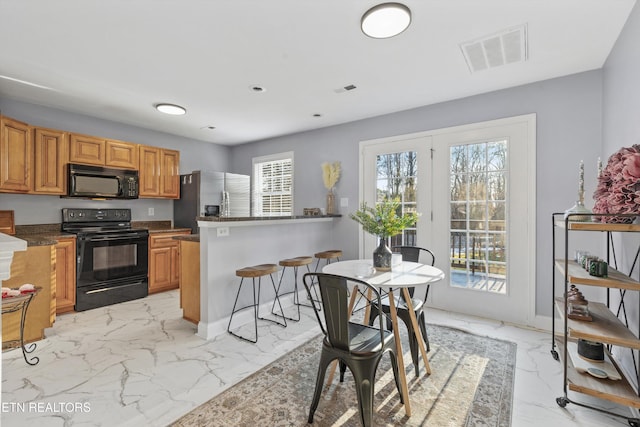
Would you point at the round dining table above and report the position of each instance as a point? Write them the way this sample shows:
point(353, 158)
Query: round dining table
point(403, 275)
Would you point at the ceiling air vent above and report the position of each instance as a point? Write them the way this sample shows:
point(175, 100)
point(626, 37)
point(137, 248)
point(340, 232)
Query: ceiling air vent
point(502, 48)
point(345, 88)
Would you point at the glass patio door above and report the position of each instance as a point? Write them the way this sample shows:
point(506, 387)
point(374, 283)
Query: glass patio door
point(484, 218)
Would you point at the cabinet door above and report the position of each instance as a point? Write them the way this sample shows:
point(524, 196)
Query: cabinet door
point(65, 275)
point(86, 149)
point(50, 159)
point(175, 265)
point(120, 154)
point(159, 269)
point(170, 174)
point(149, 171)
point(16, 156)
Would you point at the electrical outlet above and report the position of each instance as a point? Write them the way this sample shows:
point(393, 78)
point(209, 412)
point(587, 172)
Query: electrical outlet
point(344, 202)
point(151, 212)
point(222, 231)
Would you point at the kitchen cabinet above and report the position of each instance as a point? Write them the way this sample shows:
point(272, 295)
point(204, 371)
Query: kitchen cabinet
point(120, 154)
point(91, 150)
point(86, 149)
point(65, 274)
point(606, 326)
point(16, 156)
point(36, 265)
point(50, 160)
point(190, 280)
point(164, 261)
point(159, 172)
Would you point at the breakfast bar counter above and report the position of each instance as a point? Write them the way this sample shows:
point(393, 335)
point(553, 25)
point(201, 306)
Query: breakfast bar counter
point(228, 244)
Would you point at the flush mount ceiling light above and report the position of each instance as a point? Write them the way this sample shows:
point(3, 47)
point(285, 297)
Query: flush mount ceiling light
point(386, 20)
point(174, 110)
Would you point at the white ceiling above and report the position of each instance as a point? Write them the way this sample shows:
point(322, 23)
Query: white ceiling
point(115, 59)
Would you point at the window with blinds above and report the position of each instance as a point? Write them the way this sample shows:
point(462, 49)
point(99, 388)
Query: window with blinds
point(273, 185)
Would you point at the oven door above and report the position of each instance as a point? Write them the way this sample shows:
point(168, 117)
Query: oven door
point(112, 256)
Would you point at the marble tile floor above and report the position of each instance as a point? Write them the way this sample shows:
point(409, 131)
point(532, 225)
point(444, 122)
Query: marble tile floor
point(140, 364)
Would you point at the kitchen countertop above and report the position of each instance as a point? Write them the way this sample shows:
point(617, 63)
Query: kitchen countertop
point(158, 226)
point(261, 218)
point(41, 234)
point(188, 237)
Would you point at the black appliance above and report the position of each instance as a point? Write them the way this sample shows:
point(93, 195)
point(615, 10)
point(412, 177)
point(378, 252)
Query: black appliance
point(103, 183)
point(112, 258)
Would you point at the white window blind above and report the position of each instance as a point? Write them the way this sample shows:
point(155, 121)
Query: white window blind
point(273, 185)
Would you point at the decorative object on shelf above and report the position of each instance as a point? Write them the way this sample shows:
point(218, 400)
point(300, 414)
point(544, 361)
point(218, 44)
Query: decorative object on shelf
point(579, 207)
point(311, 212)
point(618, 190)
point(330, 176)
point(578, 305)
point(383, 221)
point(591, 350)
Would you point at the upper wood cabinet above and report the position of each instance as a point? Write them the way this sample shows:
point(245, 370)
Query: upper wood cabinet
point(121, 154)
point(159, 172)
point(50, 160)
point(16, 156)
point(86, 149)
point(170, 174)
point(90, 150)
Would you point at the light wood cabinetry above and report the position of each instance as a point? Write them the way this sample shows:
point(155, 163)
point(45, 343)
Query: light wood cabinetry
point(159, 172)
point(16, 156)
point(36, 265)
point(86, 149)
point(92, 150)
point(120, 154)
point(65, 275)
point(190, 280)
point(170, 174)
point(50, 160)
point(164, 261)
point(606, 327)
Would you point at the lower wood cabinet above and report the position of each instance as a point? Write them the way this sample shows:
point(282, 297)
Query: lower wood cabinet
point(65, 275)
point(164, 261)
point(36, 265)
point(190, 280)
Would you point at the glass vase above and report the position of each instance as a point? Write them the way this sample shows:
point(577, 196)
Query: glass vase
point(382, 256)
point(331, 202)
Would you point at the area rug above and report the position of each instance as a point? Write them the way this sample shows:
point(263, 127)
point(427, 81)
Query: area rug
point(471, 384)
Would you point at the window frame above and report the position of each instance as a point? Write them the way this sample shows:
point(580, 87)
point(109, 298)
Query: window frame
point(256, 195)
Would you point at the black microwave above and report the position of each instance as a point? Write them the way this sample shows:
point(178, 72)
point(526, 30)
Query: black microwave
point(103, 183)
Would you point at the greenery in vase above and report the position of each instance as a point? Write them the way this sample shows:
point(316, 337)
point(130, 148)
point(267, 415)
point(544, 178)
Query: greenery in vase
point(383, 219)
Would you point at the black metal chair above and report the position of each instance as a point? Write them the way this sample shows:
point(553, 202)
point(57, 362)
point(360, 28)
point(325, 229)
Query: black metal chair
point(409, 253)
point(356, 346)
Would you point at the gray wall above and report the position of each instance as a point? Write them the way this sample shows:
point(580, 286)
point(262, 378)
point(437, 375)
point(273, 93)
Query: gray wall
point(568, 130)
point(621, 128)
point(39, 209)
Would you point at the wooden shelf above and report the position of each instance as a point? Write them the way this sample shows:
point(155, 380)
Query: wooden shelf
point(619, 391)
point(598, 226)
point(579, 276)
point(605, 327)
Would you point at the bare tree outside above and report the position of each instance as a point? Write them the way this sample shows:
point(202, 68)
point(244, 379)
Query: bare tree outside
point(478, 213)
point(397, 179)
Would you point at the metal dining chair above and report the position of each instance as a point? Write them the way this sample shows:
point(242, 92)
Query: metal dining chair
point(409, 253)
point(356, 346)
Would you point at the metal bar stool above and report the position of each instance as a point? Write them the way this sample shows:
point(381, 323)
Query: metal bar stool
point(295, 263)
point(253, 272)
point(327, 256)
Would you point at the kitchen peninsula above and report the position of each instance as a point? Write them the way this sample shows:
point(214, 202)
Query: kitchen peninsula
point(228, 244)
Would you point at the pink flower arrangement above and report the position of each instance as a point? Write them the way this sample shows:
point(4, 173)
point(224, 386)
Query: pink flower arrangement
point(618, 190)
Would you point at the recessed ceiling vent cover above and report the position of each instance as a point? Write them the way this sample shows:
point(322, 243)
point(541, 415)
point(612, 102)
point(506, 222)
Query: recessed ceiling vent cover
point(506, 47)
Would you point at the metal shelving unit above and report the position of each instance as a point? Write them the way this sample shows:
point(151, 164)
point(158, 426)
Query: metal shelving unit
point(608, 327)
